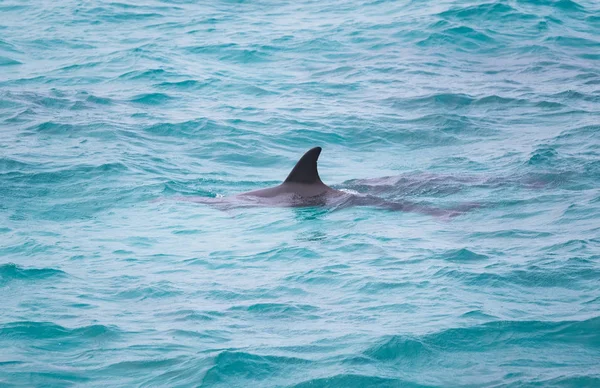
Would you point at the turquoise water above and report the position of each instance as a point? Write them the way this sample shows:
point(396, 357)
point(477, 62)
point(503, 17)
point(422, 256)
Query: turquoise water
point(106, 108)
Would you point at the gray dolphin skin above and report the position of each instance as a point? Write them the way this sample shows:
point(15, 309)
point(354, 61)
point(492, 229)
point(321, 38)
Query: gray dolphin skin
point(303, 188)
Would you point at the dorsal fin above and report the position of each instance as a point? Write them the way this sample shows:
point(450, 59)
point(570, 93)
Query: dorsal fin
point(305, 171)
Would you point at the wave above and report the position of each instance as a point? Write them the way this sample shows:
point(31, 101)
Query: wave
point(560, 275)
point(461, 37)
point(561, 5)
point(488, 336)
point(232, 366)
point(463, 255)
point(543, 156)
point(75, 173)
point(51, 127)
point(351, 380)
point(9, 165)
point(282, 310)
point(154, 291)
point(5, 61)
point(57, 376)
point(456, 100)
point(484, 11)
point(233, 52)
point(99, 100)
point(10, 272)
point(191, 128)
point(193, 315)
point(152, 98)
point(189, 84)
point(148, 75)
point(113, 15)
point(7, 46)
point(56, 335)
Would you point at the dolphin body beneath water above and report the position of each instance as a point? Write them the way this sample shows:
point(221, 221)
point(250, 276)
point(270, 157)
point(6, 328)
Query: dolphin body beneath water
point(304, 188)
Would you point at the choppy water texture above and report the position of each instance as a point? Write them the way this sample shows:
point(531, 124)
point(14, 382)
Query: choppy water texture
point(106, 107)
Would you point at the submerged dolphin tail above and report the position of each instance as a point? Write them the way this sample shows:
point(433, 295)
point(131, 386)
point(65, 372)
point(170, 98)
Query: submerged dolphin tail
point(305, 171)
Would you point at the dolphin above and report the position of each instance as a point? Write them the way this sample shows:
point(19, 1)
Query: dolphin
point(304, 188)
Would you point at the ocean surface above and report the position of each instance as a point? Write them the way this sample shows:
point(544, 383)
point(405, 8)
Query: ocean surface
point(112, 111)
